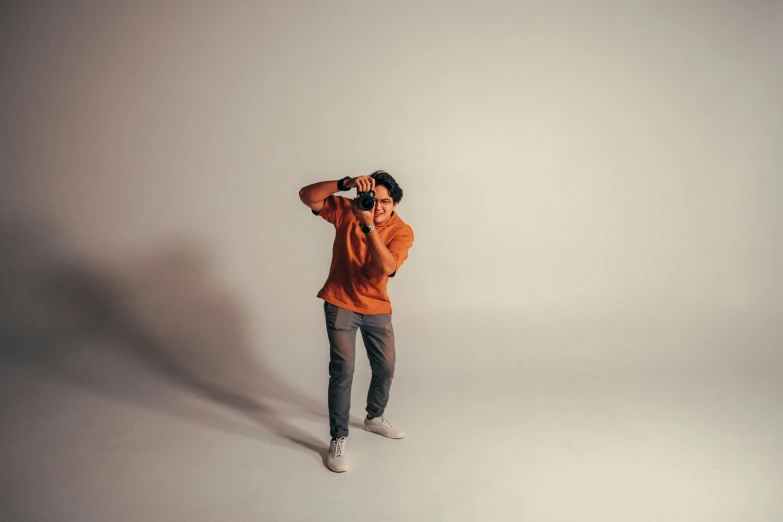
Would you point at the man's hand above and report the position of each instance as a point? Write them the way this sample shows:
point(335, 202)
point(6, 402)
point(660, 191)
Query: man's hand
point(361, 183)
point(365, 217)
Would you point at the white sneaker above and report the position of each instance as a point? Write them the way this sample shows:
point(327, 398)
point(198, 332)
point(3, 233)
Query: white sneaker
point(382, 426)
point(337, 459)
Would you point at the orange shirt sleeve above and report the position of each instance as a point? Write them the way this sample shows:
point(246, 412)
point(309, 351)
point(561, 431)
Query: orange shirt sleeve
point(399, 246)
point(333, 209)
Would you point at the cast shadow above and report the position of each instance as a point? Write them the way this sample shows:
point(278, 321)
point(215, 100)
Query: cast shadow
point(160, 332)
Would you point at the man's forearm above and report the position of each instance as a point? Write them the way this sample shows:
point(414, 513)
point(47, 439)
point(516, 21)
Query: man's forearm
point(317, 192)
point(379, 254)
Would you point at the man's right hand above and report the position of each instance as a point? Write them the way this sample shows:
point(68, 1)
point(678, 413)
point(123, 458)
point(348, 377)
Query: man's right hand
point(361, 183)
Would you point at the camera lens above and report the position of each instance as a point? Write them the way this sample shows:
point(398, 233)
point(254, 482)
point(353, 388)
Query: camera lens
point(366, 202)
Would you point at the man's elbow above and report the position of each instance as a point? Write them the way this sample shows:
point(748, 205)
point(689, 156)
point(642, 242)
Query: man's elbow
point(390, 268)
point(305, 198)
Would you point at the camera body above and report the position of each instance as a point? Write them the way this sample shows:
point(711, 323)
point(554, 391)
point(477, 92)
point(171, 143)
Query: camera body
point(366, 200)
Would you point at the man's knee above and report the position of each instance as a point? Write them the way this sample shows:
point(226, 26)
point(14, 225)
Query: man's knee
point(341, 368)
point(384, 369)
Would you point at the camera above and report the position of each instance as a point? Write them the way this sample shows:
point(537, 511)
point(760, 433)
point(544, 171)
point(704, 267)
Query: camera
point(366, 200)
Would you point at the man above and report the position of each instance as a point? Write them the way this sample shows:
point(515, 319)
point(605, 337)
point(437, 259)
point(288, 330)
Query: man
point(369, 247)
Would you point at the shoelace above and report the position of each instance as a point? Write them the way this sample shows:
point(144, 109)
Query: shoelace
point(384, 421)
point(338, 447)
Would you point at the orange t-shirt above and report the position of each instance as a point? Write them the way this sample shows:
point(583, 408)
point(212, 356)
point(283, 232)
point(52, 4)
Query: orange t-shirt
point(355, 282)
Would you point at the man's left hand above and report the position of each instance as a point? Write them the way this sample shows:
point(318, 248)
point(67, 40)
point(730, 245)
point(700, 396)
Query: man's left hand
point(365, 217)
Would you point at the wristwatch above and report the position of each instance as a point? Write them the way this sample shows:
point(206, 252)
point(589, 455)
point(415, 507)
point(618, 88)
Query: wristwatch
point(367, 229)
point(341, 184)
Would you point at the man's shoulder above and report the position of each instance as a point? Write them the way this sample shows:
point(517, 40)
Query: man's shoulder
point(400, 227)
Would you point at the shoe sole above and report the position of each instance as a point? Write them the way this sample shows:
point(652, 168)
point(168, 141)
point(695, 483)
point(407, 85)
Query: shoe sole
point(330, 465)
point(400, 436)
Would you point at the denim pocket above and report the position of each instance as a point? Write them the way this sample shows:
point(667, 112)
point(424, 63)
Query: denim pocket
point(336, 318)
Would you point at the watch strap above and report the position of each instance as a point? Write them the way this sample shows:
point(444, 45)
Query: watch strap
point(341, 184)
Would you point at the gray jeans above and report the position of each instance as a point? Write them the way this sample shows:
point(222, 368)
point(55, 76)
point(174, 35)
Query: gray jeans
point(378, 336)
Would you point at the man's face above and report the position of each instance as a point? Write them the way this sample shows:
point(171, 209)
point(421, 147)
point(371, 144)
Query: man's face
point(384, 206)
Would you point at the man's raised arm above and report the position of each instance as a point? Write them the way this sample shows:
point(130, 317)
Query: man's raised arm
point(313, 195)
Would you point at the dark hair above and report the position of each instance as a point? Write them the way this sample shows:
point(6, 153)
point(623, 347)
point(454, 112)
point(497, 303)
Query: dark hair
point(385, 179)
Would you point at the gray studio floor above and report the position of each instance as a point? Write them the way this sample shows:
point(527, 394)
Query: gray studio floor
point(97, 437)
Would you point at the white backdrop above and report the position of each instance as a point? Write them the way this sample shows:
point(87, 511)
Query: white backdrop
point(593, 188)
